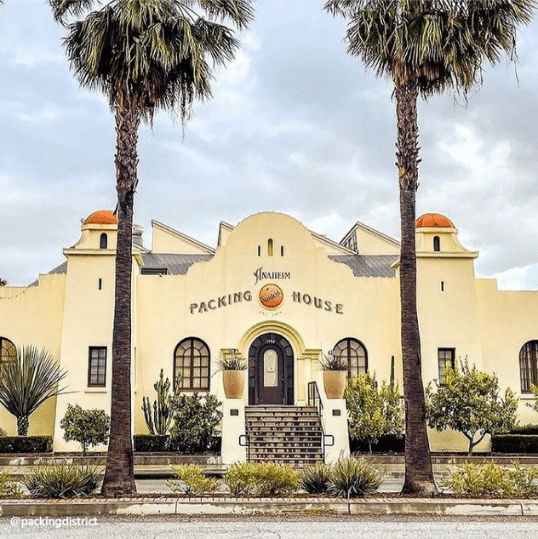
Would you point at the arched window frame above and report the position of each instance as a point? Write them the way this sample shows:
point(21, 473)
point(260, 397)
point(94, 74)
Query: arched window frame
point(355, 354)
point(192, 361)
point(270, 247)
point(436, 243)
point(528, 365)
point(103, 241)
point(8, 350)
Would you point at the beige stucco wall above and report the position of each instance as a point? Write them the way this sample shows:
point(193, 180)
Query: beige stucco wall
point(34, 316)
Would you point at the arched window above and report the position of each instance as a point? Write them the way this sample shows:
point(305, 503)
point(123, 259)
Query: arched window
point(270, 247)
point(436, 243)
point(191, 365)
point(103, 241)
point(528, 365)
point(8, 352)
point(354, 354)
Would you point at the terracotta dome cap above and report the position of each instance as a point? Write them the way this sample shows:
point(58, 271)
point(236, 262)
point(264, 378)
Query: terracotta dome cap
point(433, 220)
point(101, 217)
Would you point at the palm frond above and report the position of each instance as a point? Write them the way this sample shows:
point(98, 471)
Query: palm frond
point(440, 44)
point(156, 53)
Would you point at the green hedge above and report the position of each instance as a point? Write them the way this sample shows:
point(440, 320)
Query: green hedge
point(527, 429)
point(25, 444)
point(514, 443)
point(147, 443)
point(385, 444)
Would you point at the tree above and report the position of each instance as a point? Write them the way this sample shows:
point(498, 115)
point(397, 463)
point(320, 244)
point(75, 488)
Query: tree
point(196, 419)
point(144, 55)
point(88, 427)
point(534, 404)
point(469, 402)
point(373, 412)
point(27, 381)
point(426, 47)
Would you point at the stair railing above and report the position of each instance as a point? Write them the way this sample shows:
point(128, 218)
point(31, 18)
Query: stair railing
point(244, 441)
point(314, 399)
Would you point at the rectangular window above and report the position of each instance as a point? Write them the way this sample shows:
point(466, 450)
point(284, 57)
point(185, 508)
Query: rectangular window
point(445, 356)
point(97, 366)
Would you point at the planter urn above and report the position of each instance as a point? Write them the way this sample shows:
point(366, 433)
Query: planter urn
point(234, 384)
point(334, 383)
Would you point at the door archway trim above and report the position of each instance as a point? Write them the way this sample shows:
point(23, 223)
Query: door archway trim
point(273, 326)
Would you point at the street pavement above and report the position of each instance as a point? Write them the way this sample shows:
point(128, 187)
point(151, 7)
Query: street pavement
point(262, 528)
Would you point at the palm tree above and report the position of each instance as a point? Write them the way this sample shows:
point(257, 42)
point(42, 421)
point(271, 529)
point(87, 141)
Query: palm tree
point(143, 55)
point(426, 47)
point(27, 381)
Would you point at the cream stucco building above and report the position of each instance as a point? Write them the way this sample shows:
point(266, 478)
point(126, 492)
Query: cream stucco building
point(279, 296)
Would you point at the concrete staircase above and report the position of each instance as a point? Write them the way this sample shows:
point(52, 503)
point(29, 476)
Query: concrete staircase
point(284, 434)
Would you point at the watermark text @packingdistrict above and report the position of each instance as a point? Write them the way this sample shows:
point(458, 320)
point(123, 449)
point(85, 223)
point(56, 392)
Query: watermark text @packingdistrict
point(57, 522)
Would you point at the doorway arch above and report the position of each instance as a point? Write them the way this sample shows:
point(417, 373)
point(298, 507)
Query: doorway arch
point(270, 370)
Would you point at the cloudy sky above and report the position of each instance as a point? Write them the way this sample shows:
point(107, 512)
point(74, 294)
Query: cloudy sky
point(296, 125)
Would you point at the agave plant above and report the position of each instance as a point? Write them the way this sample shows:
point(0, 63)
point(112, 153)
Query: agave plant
point(27, 382)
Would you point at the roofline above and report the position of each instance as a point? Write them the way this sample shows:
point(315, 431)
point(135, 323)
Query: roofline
point(367, 228)
point(183, 236)
point(332, 243)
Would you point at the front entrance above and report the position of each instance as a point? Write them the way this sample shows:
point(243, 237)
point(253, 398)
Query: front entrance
point(270, 370)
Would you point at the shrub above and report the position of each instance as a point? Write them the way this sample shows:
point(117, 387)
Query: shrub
point(62, 481)
point(352, 478)
point(88, 427)
point(316, 479)
point(25, 444)
point(514, 443)
point(195, 421)
point(385, 444)
point(2, 432)
point(263, 479)
point(194, 482)
point(493, 480)
point(8, 487)
point(149, 443)
point(373, 411)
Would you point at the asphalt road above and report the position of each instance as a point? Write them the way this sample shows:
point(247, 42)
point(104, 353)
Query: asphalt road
point(310, 527)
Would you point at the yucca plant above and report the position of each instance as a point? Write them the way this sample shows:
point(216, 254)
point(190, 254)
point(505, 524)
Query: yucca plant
point(352, 478)
point(62, 481)
point(27, 382)
point(316, 478)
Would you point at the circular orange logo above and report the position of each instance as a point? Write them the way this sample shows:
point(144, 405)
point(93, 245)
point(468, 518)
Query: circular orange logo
point(271, 296)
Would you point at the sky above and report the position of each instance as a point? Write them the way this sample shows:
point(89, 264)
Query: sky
point(296, 125)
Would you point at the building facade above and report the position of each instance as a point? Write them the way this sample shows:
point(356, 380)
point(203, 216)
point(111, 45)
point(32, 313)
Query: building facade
point(277, 295)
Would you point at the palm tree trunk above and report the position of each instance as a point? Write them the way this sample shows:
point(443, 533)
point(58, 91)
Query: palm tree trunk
point(119, 473)
point(418, 466)
point(23, 424)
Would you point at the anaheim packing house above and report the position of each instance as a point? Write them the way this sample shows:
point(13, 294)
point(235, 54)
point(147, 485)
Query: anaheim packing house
point(280, 297)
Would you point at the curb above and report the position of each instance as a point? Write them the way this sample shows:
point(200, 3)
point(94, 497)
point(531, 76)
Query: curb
point(270, 506)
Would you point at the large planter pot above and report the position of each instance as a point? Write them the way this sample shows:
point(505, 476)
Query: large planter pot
point(334, 383)
point(234, 384)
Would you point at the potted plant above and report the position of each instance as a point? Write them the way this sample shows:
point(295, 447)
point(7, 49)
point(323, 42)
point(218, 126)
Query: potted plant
point(233, 378)
point(334, 375)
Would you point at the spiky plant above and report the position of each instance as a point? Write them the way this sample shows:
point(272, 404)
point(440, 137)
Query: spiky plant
point(27, 381)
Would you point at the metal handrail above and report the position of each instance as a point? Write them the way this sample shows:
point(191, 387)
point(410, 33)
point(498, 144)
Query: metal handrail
point(314, 399)
point(244, 441)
